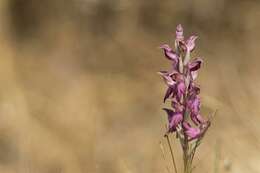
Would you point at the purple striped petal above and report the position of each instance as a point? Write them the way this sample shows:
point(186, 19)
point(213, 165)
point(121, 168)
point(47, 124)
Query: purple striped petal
point(167, 78)
point(195, 105)
point(169, 53)
point(174, 118)
point(195, 64)
point(190, 43)
point(197, 119)
point(191, 132)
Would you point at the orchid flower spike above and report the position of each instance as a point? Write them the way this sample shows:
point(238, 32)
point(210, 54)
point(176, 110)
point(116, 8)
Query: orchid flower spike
point(184, 117)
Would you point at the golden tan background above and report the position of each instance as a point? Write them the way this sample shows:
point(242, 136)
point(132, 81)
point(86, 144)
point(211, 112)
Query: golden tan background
point(79, 91)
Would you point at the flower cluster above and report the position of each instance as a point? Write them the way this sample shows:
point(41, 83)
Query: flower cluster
point(183, 93)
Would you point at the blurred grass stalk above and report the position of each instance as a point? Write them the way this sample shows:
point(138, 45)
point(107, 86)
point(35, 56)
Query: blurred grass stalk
point(217, 156)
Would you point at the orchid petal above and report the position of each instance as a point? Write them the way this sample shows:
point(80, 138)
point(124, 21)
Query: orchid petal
point(197, 119)
point(169, 53)
point(167, 78)
point(195, 64)
point(194, 105)
point(174, 119)
point(191, 132)
point(190, 43)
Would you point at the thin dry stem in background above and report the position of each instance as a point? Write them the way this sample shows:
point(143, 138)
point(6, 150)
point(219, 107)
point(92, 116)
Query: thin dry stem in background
point(164, 157)
point(217, 157)
point(172, 155)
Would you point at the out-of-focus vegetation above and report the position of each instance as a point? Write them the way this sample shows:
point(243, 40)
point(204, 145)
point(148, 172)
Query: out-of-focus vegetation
point(79, 90)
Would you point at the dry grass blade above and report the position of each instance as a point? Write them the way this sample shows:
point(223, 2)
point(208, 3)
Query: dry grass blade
point(217, 156)
point(172, 155)
point(164, 156)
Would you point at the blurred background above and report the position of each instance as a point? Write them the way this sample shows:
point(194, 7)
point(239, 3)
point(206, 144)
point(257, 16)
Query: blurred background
point(79, 91)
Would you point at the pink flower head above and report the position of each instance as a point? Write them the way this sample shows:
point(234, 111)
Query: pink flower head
point(182, 90)
point(184, 117)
